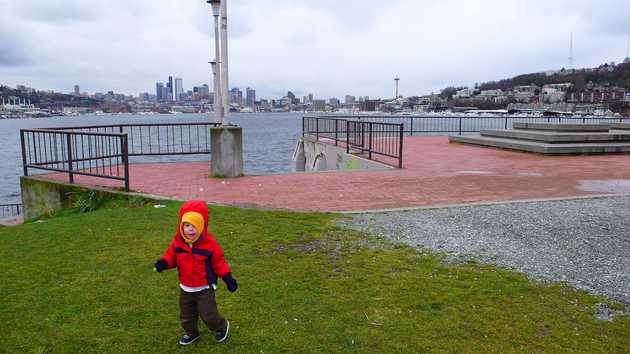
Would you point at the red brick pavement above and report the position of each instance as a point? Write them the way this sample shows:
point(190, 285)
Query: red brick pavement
point(435, 173)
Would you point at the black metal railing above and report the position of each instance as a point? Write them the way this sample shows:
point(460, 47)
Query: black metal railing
point(159, 139)
point(328, 128)
point(433, 125)
point(103, 155)
point(370, 138)
point(104, 150)
point(10, 210)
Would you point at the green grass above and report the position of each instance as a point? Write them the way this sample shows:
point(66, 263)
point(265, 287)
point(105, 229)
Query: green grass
point(85, 283)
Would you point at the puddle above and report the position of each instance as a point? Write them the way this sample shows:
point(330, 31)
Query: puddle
point(606, 186)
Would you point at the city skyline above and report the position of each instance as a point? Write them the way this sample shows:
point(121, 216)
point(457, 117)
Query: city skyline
point(311, 46)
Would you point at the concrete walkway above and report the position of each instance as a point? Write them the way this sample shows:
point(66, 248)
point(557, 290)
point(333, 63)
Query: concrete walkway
point(436, 173)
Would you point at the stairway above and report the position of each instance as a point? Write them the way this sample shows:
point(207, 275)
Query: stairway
point(549, 138)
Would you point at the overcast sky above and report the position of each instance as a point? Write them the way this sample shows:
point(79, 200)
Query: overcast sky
point(330, 48)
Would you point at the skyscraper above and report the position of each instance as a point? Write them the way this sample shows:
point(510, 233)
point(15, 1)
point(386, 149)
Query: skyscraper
point(291, 97)
point(77, 90)
point(159, 89)
point(178, 90)
point(236, 96)
point(169, 86)
point(250, 97)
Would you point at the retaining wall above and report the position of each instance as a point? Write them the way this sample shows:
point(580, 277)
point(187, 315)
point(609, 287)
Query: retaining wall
point(41, 196)
point(312, 155)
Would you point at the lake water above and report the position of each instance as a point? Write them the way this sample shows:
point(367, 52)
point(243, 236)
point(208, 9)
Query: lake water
point(268, 141)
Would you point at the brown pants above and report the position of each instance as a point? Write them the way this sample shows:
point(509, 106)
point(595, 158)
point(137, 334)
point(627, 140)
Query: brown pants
point(201, 304)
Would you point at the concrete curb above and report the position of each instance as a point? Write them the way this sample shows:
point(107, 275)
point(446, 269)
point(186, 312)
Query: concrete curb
point(476, 204)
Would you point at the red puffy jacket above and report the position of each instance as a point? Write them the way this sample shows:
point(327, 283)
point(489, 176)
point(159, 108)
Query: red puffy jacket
point(202, 263)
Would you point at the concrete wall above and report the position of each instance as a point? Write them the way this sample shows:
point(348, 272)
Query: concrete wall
point(314, 156)
point(42, 197)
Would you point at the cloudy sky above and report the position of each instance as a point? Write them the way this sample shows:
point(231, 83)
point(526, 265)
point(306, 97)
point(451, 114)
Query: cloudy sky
point(330, 48)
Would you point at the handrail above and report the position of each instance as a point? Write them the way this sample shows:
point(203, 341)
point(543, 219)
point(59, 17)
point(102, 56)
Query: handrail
point(371, 138)
point(460, 124)
point(105, 153)
point(10, 210)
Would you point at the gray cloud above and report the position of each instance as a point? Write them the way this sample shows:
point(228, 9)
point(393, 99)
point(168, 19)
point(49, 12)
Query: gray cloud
point(326, 47)
point(11, 54)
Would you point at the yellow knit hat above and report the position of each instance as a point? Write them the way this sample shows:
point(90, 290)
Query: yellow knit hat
point(196, 220)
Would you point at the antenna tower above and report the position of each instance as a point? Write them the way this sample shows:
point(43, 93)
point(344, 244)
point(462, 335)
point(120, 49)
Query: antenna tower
point(571, 52)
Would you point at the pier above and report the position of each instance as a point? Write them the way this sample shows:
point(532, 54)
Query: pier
point(436, 173)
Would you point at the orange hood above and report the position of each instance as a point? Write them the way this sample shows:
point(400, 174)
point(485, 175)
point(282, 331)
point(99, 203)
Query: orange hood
point(188, 209)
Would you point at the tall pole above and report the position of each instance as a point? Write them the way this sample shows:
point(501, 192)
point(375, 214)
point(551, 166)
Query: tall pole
point(571, 52)
point(224, 61)
point(219, 109)
point(215, 84)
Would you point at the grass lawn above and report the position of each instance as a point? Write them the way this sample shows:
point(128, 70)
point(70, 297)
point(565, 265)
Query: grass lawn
point(85, 283)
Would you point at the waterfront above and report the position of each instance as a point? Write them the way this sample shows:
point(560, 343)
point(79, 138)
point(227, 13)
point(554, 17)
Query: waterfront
point(269, 140)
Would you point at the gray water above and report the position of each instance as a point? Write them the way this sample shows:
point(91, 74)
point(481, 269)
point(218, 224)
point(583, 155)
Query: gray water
point(268, 141)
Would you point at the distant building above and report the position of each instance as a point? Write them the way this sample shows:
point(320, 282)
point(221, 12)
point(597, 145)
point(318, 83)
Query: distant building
point(169, 86)
point(166, 94)
point(319, 105)
point(464, 93)
point(143, 96)
point(250, 98)
point(200, 92)
point(334, 102)
point(368, 105)
point(77, 90)
point(236, 97)
point(350, 100)
point(178, 89)
point(292, 98)
point(524, 93)
point(159, 91)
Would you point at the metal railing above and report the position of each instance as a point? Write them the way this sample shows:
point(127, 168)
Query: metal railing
point(104, 150)
point(103, 155)
point(428, 125)
point(159, 139)
point(10, 210)
point(371, 138)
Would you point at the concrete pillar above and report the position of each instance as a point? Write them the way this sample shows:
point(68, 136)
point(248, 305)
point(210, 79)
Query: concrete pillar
point(299, 157)
point(227, 151)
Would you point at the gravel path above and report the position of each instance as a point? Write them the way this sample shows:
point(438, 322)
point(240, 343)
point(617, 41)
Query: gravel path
point(583, 242)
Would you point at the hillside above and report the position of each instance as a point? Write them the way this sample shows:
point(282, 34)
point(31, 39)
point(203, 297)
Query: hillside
point(607, 74)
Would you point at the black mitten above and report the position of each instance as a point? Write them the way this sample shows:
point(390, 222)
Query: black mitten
point(160, 265)
point(231, 282)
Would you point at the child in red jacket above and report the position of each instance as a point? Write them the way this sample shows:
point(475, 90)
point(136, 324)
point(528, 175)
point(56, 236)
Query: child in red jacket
point(199, 261)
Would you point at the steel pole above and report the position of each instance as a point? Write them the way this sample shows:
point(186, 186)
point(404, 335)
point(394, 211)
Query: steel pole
point(214, 86)
point(219, 112)
point(224, 62)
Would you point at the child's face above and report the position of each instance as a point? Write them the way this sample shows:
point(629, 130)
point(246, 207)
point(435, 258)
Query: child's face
point(190, 231)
